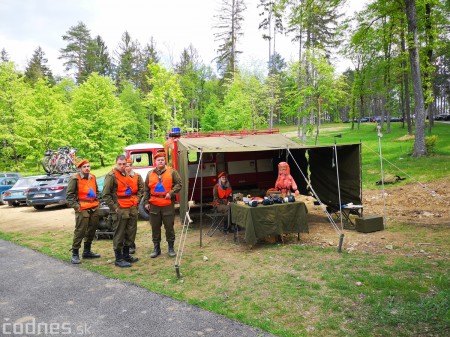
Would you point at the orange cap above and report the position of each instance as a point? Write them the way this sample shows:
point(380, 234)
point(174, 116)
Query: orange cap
point(160, 154)
point(221, 174)
point(82, 162)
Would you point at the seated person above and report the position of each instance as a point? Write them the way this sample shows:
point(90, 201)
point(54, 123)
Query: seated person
point(285, 182)
point(222, 197)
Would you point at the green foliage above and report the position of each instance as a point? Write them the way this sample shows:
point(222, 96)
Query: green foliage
point(37, 68)
point(75, 53)
point(98, 122)
point(165, 100)
point(15, 105)
point(430, 143)
point(210, 119)
point(138, 127)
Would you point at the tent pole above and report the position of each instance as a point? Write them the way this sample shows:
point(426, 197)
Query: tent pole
point(382, 175)
point(338, 183)
point(201, 198)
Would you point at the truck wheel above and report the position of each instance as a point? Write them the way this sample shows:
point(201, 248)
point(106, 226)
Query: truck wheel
point(143, 213)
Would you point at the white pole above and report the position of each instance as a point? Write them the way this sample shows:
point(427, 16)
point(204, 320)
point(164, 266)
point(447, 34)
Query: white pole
point(382, 175)
point(338, 183)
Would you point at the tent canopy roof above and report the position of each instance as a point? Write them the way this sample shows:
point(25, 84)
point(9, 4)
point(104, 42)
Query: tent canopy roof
point(244, 143)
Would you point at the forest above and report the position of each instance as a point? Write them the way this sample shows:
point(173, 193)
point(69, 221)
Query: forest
point(107, 99)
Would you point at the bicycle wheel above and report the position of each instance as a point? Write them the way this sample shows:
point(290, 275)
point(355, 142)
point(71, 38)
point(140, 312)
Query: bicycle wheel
point(62, 166)
point(46, 164)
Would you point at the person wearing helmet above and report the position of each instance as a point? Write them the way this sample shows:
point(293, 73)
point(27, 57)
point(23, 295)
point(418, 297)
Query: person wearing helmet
point(222, 197)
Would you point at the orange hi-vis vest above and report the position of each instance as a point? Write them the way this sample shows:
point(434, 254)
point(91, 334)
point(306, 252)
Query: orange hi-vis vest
point(223, 193)
point(159, 186)
point(87, 194)
point(126, 190)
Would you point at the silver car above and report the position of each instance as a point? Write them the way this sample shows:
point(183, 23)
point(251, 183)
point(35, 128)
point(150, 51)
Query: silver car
point(17, 195)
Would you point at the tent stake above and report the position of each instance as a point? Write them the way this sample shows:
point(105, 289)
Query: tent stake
point(177, 270)
point(341, 240)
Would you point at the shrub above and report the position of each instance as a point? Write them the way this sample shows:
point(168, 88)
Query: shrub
point(430, 143)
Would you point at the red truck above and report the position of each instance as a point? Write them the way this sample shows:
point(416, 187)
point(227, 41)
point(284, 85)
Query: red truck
point(200, 157)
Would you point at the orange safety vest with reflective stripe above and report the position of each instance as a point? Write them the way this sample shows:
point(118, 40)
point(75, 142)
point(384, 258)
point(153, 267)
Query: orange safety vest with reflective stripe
point(159, 186)
point(126, 194)
point(87, 192)
point(223, 193)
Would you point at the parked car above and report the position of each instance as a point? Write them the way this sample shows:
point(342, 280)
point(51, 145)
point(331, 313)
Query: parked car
point(5, 184)
point(396, 119)
point(17, 194)
point(442, 117)
point(10, 174)
point(362, 120)
point(48, 190)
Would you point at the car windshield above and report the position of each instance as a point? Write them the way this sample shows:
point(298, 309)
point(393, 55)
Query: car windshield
point(8, 181)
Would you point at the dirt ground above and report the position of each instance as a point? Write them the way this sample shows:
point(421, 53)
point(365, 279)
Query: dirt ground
point(417, 222)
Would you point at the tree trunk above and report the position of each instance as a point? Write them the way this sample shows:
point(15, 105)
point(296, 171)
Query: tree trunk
point(407, 96)
point(419, 143)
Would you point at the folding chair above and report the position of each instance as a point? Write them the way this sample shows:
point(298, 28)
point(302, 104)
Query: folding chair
point(217, 220)
point(346, 211)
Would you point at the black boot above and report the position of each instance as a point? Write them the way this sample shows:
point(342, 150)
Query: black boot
point(120, 262)
point(87, 253)
point(133, 248)
point(156, 249)
point(225, 228)
point(126, 255)
point(75, 257)
point(171, 250)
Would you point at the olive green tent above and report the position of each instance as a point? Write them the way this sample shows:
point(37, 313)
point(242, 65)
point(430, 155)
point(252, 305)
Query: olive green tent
point(332, 173)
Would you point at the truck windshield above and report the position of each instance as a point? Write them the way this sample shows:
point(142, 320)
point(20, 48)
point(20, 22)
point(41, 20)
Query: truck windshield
point(142, 159)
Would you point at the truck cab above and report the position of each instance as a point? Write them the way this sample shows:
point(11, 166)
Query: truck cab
point(142, 156)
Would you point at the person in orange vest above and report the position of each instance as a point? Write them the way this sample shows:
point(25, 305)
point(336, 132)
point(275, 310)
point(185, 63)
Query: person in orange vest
point(160, 187)
point(122, 200)
point(222, 197)
point(82, 196)
point(137, 185)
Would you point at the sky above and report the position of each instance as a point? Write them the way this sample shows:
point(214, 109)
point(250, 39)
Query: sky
point(173, 24)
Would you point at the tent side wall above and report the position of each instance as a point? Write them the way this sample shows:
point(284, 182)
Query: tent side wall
point(322, 166)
